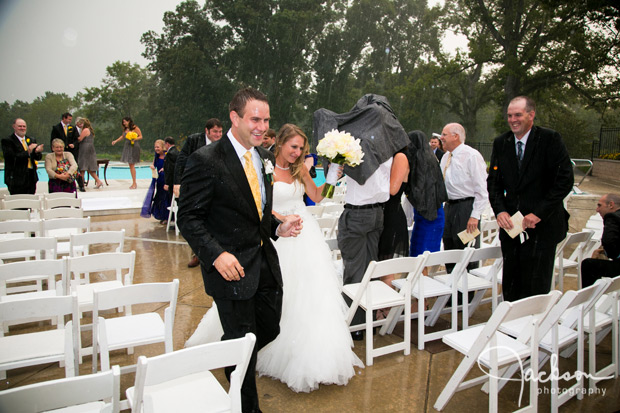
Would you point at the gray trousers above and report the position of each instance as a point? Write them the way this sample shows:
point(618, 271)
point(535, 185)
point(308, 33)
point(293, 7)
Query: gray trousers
point(359, 231)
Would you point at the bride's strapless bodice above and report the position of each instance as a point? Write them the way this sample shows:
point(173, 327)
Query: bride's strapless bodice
point(288, 198)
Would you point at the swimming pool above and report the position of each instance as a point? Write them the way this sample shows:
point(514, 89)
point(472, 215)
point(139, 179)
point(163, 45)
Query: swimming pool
point(122, 172)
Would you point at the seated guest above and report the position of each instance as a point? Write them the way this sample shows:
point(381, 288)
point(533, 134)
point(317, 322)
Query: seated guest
point(605, 261)
point(61, 168)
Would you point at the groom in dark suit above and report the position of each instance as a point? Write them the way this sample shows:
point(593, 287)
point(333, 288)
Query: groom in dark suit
point(225, 215)
point(531, 172)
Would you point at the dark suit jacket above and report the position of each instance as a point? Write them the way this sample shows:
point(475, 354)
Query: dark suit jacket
point(546, 177)
point(192, 143)
point(170, 165)
point(439, 154)
point(217, 213)
point(71, 138)
point(611, 235)
point(16, 161)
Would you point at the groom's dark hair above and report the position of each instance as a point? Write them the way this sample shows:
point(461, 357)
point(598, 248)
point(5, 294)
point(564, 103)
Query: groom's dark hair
point(242, 97)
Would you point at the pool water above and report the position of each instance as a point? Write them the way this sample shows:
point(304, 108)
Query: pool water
point(122, 172)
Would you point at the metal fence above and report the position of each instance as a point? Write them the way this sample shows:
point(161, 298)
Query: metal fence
point(608, 142)
point(485, 148)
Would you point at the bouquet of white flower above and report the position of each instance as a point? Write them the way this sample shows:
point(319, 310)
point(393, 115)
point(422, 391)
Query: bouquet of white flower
point(341, 148)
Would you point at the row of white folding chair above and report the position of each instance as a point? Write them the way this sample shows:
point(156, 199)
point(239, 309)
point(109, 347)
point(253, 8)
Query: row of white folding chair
point(35, 248)
point(52, 195)
point(40, 347)
point(564, 328)
point(14, 214)
point(581, 243)
point(37, 206)
point(53, 200)
point(487, 346)
point(426, 287)
point(98, 392)
point(182, 380)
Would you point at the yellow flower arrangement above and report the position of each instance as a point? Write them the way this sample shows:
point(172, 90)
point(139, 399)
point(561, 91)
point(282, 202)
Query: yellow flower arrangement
point(131, 137)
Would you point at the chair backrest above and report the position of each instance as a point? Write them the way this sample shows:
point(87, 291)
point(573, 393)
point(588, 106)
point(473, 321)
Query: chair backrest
point(62, 213)
point(43, 307)
point(36, 247)
point(583, 239)
point(137, 294)
point(195, 360)
point(67, 392)
point(490, 232)
point(609, 299)
point(32, 204)
point(55, 195)
point(333, 210)
point(487, 253)
point(316, 210)
point(569, 303)
point(14, 214)
point(460, 259)
point(63, 203)
point(13, 197)
point(26, 227)
point(62, 228)
point(412, 266)
point(118, 262)
point(537, 308)
point(84, 241)
point(49, 269)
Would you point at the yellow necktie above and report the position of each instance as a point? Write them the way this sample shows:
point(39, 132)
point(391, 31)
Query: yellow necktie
point(65, 128)
point(445, 168)
point(250, 173)
point(26, 149)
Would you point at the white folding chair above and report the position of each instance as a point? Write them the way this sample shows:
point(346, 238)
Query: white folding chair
point(79, 244)
point(470, 282)
point(34, 205)
point(172, 215)
point(328, 226)
point(132, 330)
point(182, 380)
point(63, 202)
point(91, 393)
point(14, 215)
point(492, 273)
point(63, 228)
point(36, 248)
point(425, 287)
point(62, 213)
point(333, 210)
point(582, 239)
point(489, 230)
point(485, 345)
point(372, 294)
point(563, 327)
point(40, 347)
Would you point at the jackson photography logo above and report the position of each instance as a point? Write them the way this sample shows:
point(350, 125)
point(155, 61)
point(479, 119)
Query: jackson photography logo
point(543, 377)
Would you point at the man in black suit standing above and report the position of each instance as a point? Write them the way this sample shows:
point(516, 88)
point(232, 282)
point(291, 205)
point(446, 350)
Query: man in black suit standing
point(530, 172)
point(69, 135)
point(212, 133)
point(170, 161)
point(269, 140)
point(20, 155)
point(225, 215)
point(435, 144)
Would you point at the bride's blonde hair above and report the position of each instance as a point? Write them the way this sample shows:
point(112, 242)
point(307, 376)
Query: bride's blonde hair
point(287, 132)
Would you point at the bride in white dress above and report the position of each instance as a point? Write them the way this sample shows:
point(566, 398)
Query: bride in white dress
point(314, 346)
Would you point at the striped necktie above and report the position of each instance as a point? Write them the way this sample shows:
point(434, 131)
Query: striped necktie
point(250, 173)
point(519, 153)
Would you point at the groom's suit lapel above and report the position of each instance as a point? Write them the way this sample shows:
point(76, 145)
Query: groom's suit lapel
point(233, 164)
point(268, 184)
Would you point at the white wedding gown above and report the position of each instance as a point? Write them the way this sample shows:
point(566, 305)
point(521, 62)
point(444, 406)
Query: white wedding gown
point(314, 345)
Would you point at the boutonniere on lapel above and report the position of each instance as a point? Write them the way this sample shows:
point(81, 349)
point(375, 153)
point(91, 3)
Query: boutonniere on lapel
point(69, 129)
point(268, 167)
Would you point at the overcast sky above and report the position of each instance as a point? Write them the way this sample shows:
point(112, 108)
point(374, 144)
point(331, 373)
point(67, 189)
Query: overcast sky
point(66, 45)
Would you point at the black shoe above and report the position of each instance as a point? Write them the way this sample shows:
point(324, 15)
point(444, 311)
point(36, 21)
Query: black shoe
point(357, 335)
point(82, 189)
point(194, 262)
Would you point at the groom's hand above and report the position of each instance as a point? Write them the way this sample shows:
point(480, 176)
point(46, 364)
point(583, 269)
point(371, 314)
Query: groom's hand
point(291, 226)
point(229, 267)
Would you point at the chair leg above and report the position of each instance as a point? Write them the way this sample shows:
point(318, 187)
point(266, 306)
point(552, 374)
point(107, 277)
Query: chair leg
point(369, 337)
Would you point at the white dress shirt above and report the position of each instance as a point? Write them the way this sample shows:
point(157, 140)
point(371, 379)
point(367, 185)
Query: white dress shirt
point(376, 189)
point(466, 177)
point(258, 164)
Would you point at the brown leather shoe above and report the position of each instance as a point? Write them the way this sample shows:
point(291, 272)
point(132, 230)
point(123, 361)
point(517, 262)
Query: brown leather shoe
point(194, 262)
